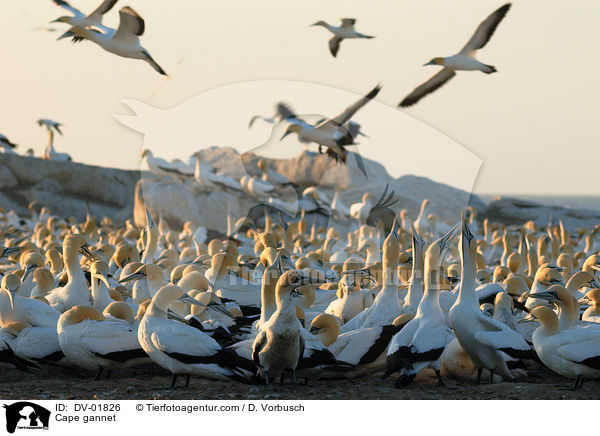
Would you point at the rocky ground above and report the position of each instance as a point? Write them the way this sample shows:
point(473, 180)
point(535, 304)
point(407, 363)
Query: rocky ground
point(138, 384)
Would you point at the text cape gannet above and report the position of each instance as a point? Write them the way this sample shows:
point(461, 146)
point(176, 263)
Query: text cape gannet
point(124, 41)
point(573, 353)
point(463, 61)
point(344, 31)
point(182, 349)
point(483, 339)
point(421, 342)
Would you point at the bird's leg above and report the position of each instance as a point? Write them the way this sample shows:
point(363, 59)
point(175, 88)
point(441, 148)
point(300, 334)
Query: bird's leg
point(439, 377)
point(479, 371)
point(492, 377)
point(108, 374)
point(173, 380)
point(281, 379)
point(99, 373)
point(294, 377)
point(320, 149)
point(187, 381)
point(306, 381)
point(577, 383)
point(266, 379)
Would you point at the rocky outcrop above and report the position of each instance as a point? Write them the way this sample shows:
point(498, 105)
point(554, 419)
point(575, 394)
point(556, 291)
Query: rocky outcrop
point(178, 202)
point(65, 187)
point(514, 211)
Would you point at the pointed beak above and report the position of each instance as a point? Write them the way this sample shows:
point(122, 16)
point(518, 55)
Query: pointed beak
point(28, 270)
point(85, 250)
point(287, 132)
point(8, 251)
point(428, 63)
point(216, 306)
point(11, 297)
point(102, 279)
point(549, 296)
point(175, 316)
point(185, 298)
point(447, 238)
point(134, 276)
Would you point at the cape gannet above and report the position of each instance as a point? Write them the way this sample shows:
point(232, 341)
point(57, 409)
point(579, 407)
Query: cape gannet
point(421, 342)
point(79, 19)
point(573, 353)
point(483, 339)
point(344, 31)
point(592, 313)
point(333, 132)
point(280, 344)
point(76, 291)
point(161, 168)
point(387, 305)
point(185, 350)
point(462, 61)
point(49, 152)
point(93, 342)
point(6, 146)
point(124, 41)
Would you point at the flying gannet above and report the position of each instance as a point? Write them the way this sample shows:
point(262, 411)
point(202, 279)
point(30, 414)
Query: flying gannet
point(333, 133)
point(462, 61)
point(79, 19)
point(124, 41)
point(344, 31)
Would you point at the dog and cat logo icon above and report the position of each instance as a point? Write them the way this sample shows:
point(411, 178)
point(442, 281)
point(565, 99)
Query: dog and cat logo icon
point(26, 415)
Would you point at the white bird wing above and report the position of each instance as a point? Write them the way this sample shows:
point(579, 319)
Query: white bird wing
point(499, 336)
point(65, 5)
point(586, 352)
point(131, 24)
point(405, 336)
point(485, 30)
point(435, 82)
point(349, 112)
point(430, 338)
point(106, 337)
point(102, 9)
point(172, 337)
point(36, 343)
point(38, 313)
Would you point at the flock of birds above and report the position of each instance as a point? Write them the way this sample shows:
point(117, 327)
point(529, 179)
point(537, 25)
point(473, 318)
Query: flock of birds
point(333, 133)
point(388, 296)
point(286, 300)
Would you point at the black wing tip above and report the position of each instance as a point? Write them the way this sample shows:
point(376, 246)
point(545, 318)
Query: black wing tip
point(504, 8)
point(407, 102)
point(373, 93)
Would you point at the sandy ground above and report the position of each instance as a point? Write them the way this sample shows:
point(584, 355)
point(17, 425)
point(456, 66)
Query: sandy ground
point(138, 384)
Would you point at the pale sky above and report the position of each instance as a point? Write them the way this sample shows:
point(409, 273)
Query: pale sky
point(533, 124)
